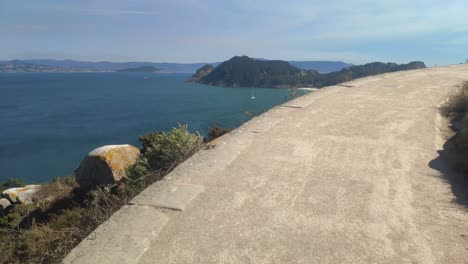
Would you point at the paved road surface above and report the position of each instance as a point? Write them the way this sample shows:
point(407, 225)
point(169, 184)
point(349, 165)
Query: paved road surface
point(338, 176)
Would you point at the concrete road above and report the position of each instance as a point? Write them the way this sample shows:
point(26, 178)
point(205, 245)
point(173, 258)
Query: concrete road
point(340, 175)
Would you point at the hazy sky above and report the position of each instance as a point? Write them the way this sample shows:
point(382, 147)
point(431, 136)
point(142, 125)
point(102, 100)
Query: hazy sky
point(356, 31)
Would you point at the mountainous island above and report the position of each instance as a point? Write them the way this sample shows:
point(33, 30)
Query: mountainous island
point(242, 71)
point(148, 69)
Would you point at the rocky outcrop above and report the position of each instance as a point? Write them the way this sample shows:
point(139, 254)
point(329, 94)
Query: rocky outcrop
point(202, 72)
point(106, 165)
point(22, 195)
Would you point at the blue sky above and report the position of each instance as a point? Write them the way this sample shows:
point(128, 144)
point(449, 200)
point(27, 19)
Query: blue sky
point(355, 31)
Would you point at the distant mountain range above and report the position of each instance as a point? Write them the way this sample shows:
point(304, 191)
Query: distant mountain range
point(105, 66)
point(242, 71)
point(88, 66)
point(321, 66)
point(149, 69)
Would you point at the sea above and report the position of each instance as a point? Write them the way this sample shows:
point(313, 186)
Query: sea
point(50, 121)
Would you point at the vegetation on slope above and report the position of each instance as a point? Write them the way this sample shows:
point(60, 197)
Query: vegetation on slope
point(45, 231)
point(246, 72)
point(456, 109)
point(165, 150)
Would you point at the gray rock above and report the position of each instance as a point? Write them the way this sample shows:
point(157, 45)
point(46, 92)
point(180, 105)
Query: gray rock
point(106, 165)
point(22, 195)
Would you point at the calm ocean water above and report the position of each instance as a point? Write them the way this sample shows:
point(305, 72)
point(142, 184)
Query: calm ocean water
point(50, 121)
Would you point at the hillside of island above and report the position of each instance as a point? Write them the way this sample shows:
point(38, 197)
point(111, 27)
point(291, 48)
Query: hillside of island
point(242, 71)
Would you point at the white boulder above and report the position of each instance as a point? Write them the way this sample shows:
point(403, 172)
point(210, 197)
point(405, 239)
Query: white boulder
point(4, 205)
point(22, 195)
point(106, 165)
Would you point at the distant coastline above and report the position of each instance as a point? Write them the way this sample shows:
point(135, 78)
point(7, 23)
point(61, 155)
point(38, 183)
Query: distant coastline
point(146, 69)
point(25, 68)
point(48, 65)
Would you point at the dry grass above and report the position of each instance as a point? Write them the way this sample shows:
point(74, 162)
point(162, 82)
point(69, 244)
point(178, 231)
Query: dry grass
point(46, 231)
point(59, 188)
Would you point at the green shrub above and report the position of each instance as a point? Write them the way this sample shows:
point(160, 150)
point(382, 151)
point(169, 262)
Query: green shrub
point(165, 150)
point(11, 183)
point(16, 215)
point(138, 170)
point(139, 176)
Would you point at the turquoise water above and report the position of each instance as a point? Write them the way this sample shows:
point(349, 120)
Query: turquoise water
point(50, 121)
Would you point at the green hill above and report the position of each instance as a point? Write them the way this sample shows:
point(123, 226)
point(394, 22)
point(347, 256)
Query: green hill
point(244, 71)
point(247, 72)
point(355, 72)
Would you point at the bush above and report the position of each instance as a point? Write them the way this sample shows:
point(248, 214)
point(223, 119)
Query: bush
point(11, 183)
point(457, 105)
point(216, 132)
point(139, 176)
point(138, 170)
point(165, 150)
point(16, 215)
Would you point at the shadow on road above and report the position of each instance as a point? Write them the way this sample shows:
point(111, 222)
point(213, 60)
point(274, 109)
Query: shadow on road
point(449, 163)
